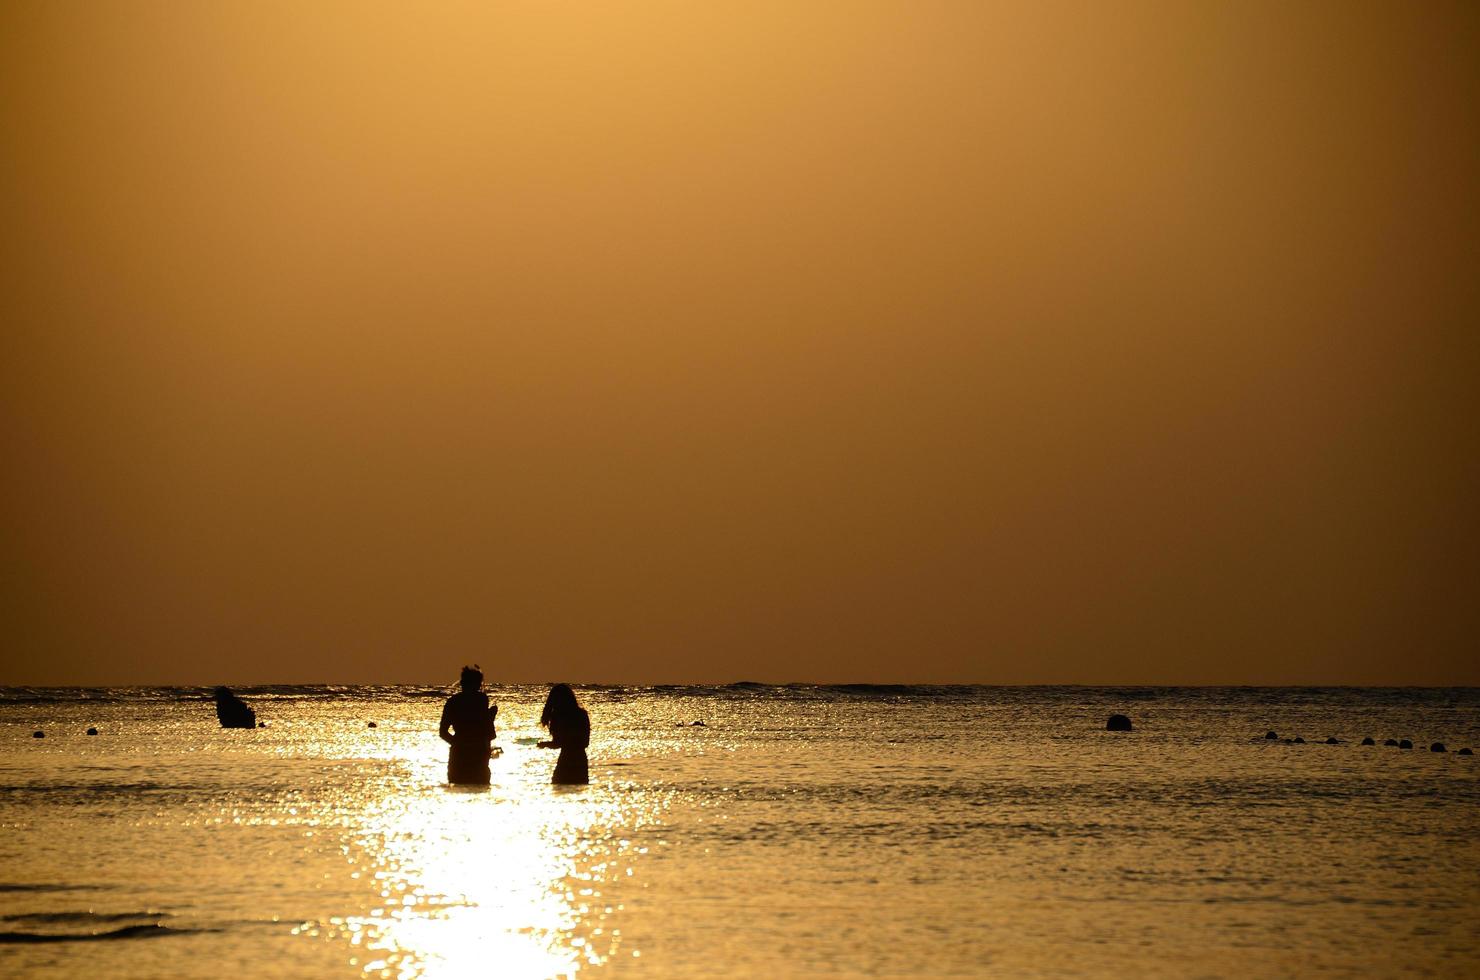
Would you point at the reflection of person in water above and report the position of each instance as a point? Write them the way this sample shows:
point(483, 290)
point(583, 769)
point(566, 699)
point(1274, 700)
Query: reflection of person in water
point(467, 726)
point(232, 711)
point(570, 732)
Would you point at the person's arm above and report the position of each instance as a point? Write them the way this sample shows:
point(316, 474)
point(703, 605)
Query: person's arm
point(554, 740)
point(444, 729)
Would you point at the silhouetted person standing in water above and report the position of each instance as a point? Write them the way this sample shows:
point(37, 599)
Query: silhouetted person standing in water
point(570, 732)
point(467, 726)
point(232, 711)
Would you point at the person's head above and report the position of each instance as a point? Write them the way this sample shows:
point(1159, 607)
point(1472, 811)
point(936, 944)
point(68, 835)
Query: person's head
point(223, 694)
point(472, 678)
point(560, 703)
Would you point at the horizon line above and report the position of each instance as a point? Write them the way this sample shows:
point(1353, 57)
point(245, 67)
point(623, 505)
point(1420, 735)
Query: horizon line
point(740, 683)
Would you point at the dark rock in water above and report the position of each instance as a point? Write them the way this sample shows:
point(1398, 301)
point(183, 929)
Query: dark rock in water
point(372, 725)
point(92, 731)
point(1464, 752)
point(1333, 740)
point(1392, 741)
point(1118, 723)
point(261, 724)
point(38, 734)
point(1298, 740)
point(698, 724)
point(232, 711)
point(1405, 744)
point(1271, 736)
point(1437, 747)
point(1368, 741)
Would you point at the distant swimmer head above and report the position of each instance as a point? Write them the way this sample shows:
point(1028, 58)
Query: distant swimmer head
point(472, 678)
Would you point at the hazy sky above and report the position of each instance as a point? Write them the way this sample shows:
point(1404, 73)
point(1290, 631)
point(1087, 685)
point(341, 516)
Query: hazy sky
point(836, 341)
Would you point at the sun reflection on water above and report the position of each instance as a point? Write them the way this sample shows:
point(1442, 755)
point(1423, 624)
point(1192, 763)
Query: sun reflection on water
point(513, 878)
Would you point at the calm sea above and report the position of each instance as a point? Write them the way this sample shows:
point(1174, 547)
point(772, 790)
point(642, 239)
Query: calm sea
point(800, 831)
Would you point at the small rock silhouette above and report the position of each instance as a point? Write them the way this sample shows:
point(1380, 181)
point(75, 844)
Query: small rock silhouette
point(1405, 744)
point(1298, 740)
point(1464, 751)
point(1271, 736)
point(232, 711)
point(1368, 741)
point(1333, 740)
point(372, 725)
point(1118, 723)
point(1437, 747)
point(38, 734)
point(92, 731)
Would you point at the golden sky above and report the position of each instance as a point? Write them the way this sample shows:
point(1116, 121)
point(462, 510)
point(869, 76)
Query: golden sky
point(831, 341)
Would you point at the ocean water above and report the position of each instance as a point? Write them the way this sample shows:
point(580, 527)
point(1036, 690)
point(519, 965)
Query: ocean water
point(801, 831)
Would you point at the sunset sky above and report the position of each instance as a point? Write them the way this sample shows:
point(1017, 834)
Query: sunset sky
point(799, 341)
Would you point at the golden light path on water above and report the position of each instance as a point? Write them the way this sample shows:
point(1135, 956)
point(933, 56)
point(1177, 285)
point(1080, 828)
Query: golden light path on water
point(513, 877)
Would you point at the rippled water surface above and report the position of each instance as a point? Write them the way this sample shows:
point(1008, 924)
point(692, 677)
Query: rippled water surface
point(799, 831)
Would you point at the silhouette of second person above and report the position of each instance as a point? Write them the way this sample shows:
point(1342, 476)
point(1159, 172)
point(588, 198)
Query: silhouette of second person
point(570, 732)
point(467, 726)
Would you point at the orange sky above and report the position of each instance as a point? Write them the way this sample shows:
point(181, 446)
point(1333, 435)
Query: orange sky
point(834, 341)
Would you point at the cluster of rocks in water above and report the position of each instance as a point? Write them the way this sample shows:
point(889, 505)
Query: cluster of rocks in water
point(1122, 723)
point(1402, 743)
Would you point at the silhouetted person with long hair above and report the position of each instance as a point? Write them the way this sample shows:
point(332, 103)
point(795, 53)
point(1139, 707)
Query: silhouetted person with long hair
point(232, 711)
point(467, 726)
point(570, 732)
